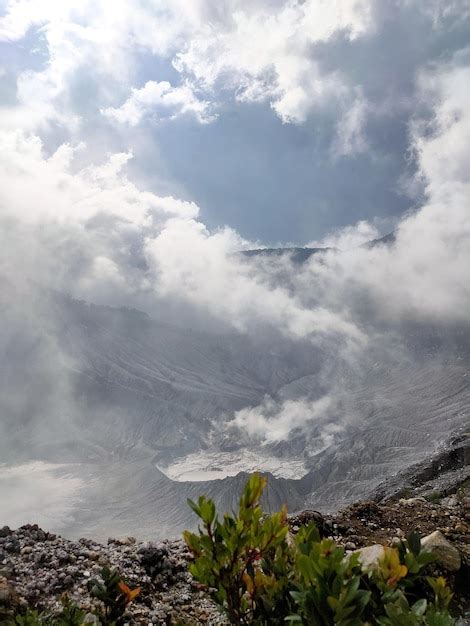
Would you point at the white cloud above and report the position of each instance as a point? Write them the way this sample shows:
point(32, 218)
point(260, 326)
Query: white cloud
point(259, 54)
point(198, 266)
point(424, 274)
point(100, 39)
point(255, 50)
point(160, 101)
point(271, 422)
point(266, 54)
point(76, 230)
point(91, 225)
point(37, 188)
point(21, 15)
point(443, 146)
point(349, 237)
point(350, 134)
point(435, 241)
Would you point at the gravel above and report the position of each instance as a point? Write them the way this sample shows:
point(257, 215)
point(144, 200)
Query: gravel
point(37, 568)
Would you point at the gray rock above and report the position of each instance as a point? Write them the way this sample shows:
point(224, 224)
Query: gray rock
point(450, 501)
point(446, 554)
point(6, 572)
point(62, 556)
point(12, 546)
point(5, 592)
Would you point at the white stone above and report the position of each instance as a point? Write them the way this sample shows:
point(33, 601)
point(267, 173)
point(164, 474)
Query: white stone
point(370, 555)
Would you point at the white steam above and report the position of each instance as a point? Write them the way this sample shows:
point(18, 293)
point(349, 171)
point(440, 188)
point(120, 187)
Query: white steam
point(273, 422)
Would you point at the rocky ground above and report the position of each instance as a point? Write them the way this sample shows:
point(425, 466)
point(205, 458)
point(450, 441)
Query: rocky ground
point(37, 568)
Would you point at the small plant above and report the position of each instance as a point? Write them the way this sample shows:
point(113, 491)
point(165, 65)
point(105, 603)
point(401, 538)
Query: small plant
point(114, 594)
point(244, 560)
point(260, 576)
point(400, 613)
point(30, 618)
point(328, 584)
point(434, 497)
point(71, 615)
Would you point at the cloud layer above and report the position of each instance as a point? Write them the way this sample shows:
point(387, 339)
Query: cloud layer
point(104, 235)
point(212, 101)
point(161, 100)
point(260, 50)
point(76, 217)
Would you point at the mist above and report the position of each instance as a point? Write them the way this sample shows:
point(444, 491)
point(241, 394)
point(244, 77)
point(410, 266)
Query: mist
point(137, 338)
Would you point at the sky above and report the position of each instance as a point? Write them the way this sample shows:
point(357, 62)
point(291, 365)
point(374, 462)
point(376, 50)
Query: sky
point(283, 120)
point(143, 144)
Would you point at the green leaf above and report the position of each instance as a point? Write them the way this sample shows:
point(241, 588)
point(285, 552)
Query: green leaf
point(414, 543)
point(194, 507)
point(419, 607)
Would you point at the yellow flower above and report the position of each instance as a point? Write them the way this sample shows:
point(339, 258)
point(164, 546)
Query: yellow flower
point(390, 568)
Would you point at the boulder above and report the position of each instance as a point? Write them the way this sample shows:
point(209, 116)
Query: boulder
point(369, 556)
point(5, 531)
point(446, 554)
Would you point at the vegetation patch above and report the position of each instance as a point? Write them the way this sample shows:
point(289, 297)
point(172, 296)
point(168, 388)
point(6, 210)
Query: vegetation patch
point(260, 575)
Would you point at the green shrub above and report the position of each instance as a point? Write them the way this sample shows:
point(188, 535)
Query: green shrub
point(259, 575)
point(328, 585)
point(244, 560)
point(30, 618)
point(114, 594)
point(72, 615)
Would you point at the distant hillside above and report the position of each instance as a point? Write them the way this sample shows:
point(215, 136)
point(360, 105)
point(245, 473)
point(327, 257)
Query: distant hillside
point(297, 255)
